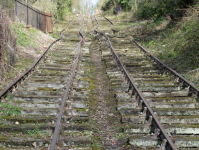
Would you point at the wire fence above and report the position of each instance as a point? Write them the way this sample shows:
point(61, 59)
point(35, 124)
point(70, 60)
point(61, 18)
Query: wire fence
point(8, 47)
point(12, 10)
point(34, 17)
point(7, 7)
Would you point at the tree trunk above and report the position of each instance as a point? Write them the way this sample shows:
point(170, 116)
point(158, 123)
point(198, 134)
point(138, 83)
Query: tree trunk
point(114, 3)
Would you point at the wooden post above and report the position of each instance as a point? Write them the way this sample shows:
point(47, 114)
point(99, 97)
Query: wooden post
point(27, 12)
point(136, 7)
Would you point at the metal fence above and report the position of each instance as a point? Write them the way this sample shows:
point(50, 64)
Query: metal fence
point(34, 17)
point(7, 7)
point(8, 47)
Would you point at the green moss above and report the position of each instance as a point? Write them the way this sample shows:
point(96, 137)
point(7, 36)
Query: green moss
point(188, 138)
point(184, 126)
point(85, 79)
point(183, 117)
point(3, 138)
point(167, 98)
point(178, 102)
point(45, 89)
point(81, 109)
point(9, 97)
point(128, 116)
point(176, 109)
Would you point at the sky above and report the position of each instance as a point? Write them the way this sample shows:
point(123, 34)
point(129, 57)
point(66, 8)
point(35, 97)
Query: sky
point(94, 2)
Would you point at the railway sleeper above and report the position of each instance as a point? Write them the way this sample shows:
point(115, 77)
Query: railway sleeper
point(176, 107)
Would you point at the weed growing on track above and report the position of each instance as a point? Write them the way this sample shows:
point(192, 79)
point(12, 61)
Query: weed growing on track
point(35, 132)
point(8, 110)
point(9, 97)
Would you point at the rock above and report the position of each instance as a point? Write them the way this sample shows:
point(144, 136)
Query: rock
point(28, 26)
point(17, 123)
point(34, 145)
point(111, 114)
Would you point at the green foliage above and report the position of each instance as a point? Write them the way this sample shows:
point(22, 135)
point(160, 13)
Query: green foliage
point(55, 36)
point(177, 44)
point(25, 37)
point(64, 7)
point(107, 5)
point(9, 110)
point(127, 4)
point(156, 8)
point(36, 131)
point(9, 97)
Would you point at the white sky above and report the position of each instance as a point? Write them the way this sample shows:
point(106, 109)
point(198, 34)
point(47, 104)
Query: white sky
point(94, 2)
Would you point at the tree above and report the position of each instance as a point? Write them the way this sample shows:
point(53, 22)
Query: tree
point(64, 7)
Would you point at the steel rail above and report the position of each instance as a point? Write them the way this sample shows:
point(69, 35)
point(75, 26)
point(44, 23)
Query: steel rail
point(142, 101)
point(107, 19)
point(29, 71)
point(187, 83)
point(97, 22)
point(58, 123)
point(181, 79)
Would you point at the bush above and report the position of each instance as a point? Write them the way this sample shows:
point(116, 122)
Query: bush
point(157, 8)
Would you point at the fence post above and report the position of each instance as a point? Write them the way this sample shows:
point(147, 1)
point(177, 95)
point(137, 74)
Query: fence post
point(37, 21)
point(27, 13)
point(16, 7)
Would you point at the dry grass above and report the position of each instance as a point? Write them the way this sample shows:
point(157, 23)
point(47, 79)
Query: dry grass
point(27, 53)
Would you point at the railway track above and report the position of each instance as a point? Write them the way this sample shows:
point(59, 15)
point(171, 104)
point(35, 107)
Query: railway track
point(158, 107)
point(36, 113)
point(77, 98)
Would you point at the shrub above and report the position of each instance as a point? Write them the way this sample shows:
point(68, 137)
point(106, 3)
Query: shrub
point(156, 8)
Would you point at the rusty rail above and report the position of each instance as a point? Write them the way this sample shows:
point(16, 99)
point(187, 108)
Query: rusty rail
point(152, 118)
point(58, 123)
point(108, 20)
point(97, 22)
point(29, 71)
point(181, 79)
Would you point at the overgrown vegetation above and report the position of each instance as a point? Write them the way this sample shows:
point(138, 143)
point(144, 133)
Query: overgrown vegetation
point(8, 110)
point(157, 8)
point(176, 43)
point(145, 9)
point(63, 7)
point(25, 37)
point(30, 44)
point(60, 9)
point(173, 38)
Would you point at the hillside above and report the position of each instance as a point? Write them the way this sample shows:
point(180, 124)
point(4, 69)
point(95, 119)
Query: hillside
point(168, 29)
